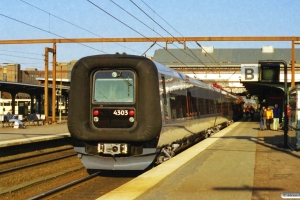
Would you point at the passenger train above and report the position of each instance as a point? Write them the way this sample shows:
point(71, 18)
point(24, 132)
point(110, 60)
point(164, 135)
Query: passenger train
point(129, 112)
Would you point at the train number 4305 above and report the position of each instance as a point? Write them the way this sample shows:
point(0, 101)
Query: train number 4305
point(120, 112)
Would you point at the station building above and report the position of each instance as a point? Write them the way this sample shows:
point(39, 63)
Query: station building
point(26, 87)
point(222, 67)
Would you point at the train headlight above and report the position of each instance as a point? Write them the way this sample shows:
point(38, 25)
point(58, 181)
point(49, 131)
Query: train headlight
point(100, 148)
point(131, 119)
point(96, 119)
point(124, 148)
point(114, 74)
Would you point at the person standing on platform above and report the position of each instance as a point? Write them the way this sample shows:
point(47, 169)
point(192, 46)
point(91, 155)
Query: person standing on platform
point(247, 111)
point(252, 111)
point(276, 116)
point(269, 114)
point(289, 116)
point(262, 118)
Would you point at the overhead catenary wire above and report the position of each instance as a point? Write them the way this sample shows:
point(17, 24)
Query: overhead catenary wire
point(11, 61)
point(131, 28)
point(139, 21)
point(57, 34)
point(157, 24)
point(136, 18)
point(210, 56)
point(50, 14)
point(49, 32)
point(134, 29)
point(20, 56)
point(161, 18)
point(165, 21)
point(21, 52)
point(195, 57)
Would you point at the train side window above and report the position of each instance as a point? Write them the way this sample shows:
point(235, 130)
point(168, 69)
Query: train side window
point(164, 90)
point(201, 106)
point(194, 103)
point(207, 106)
point(219, 103)
point(165, 97)
point(177, 103)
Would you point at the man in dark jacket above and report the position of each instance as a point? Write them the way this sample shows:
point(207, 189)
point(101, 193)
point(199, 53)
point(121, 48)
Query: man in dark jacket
point(276, 116)
point(261, 114)
point(13, 118)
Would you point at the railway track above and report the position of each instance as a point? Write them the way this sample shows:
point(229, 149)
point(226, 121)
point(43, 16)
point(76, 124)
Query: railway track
point(54, 173)
point(15, 161)
point(89, 187)
point(34, 155)
point(22, 173)
point(65, 187)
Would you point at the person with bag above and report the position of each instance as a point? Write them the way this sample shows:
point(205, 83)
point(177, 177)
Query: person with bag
point(276, 115)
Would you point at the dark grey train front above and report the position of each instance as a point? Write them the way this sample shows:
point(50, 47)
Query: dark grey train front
point(128, 112)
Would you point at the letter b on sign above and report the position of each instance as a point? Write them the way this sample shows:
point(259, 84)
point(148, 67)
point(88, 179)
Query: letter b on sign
point(249, 72)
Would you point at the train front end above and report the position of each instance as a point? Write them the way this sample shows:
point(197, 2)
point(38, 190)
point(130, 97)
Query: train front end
point(114, 113)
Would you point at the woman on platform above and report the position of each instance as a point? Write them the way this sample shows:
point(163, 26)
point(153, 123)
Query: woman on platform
point(269, 114)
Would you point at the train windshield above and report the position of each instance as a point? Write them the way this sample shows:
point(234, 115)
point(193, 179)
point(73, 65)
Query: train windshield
point(114, 86)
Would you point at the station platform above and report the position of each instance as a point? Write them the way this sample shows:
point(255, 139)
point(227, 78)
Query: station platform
point(239, 162)
point(11, 137)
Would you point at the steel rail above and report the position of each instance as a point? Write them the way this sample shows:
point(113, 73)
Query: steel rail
point(37, 163)
point(35, 155)
point(44, 194)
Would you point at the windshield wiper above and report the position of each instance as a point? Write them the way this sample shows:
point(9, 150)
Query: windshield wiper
point(124, 79)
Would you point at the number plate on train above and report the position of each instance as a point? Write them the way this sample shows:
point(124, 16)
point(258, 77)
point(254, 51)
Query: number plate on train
point(120, 112)
point(113, 117)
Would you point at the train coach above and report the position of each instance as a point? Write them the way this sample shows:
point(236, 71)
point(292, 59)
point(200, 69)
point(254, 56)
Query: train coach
point(129, 112)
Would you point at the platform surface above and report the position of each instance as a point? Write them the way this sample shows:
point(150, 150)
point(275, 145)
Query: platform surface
point(239, 162)
point(10, 136)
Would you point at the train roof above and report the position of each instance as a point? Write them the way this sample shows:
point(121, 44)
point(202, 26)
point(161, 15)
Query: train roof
point(173, 73)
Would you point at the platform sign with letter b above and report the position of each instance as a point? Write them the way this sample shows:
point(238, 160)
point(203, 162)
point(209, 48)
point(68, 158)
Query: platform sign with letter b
point(249, 72)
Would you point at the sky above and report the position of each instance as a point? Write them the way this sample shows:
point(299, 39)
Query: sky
point(57, 19)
